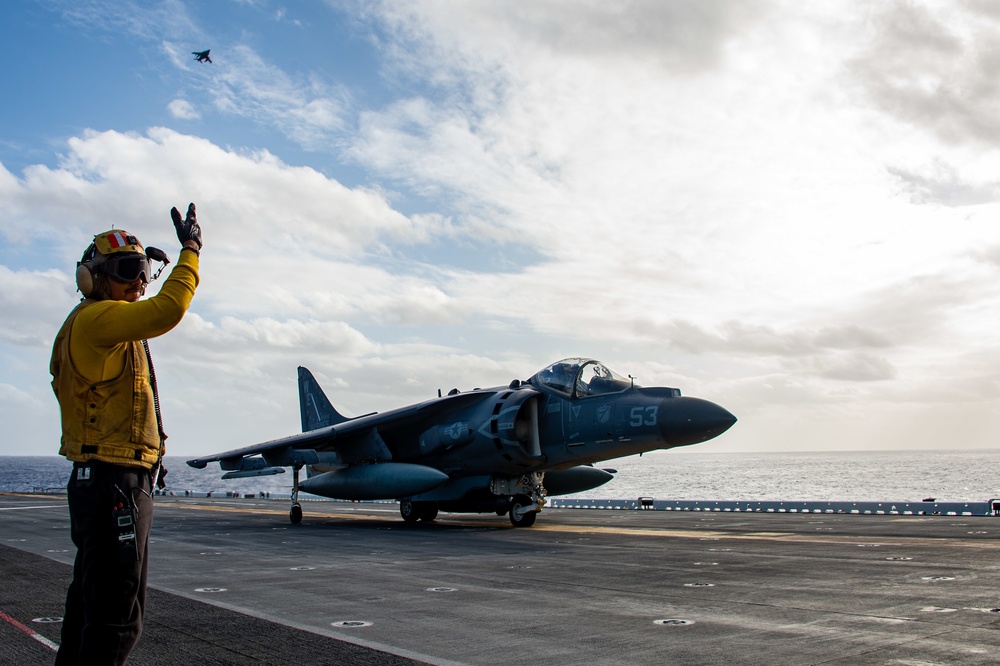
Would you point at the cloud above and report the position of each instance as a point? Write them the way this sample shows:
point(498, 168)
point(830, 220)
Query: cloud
point(168, 18)
point(935, 68)
point(761, 204)
point(742, 338)
point(260, 203)
point(309, 110)
point(989, 255)
point(852, 367)
point(296, 269)
point(684, 37)
point(183, 110)
point(940, 182)
point(840, 352)
point(32, 301)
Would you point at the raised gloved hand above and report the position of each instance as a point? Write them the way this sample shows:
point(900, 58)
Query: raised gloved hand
point(187, 229)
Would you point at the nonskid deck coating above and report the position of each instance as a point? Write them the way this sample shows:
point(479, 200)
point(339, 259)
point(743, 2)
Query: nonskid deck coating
point(601, 586)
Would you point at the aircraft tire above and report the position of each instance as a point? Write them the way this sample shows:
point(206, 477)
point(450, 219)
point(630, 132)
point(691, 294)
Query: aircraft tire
point(408, 510)
point(295, 514)
point(428, 513)
point(527, 519)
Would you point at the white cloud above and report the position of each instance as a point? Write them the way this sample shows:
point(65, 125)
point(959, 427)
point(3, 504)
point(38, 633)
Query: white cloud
point(934, 67)
point(169, 17)
point(309, 110)
point(183, 110)
point(31, 301)
point(752, 202)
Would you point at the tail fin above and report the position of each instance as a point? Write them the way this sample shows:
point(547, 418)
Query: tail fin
point(314, 406)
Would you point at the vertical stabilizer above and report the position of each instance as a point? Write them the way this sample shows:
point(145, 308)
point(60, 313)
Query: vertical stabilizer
point(314, 406)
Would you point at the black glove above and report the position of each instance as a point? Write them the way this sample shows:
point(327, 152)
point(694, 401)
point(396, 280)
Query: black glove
point(160, 483)
point(187, 229)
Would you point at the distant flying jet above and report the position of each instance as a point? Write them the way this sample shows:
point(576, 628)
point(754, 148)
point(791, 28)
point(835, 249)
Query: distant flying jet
point(202, 56)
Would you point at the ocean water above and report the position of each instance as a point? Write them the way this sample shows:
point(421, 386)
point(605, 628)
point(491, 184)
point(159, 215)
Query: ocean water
point(956, 476)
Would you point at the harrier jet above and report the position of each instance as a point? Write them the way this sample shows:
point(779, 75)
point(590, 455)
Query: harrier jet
point(202, 56)
point(501, 449)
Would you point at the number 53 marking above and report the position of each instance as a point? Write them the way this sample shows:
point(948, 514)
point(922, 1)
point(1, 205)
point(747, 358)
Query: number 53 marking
point(643, 416)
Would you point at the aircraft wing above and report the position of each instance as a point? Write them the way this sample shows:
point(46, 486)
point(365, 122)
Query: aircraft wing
point(354, 438)
point(307, 440)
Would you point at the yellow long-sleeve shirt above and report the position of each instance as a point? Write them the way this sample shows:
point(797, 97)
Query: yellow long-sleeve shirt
point(100, 375)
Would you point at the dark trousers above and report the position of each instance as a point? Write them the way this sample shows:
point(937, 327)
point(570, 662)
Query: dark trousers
point(104, 603)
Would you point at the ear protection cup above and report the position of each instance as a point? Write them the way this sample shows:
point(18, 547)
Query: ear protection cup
point(85, 271)
point(84, 278)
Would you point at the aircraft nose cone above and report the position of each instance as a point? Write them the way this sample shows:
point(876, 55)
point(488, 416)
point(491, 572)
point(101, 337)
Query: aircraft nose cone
point(686, 420)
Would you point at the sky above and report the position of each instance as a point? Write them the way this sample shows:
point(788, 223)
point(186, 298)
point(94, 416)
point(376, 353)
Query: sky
point(787, 208)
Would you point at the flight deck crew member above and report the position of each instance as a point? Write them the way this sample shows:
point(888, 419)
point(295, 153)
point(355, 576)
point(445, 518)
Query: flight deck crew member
point(103, 378)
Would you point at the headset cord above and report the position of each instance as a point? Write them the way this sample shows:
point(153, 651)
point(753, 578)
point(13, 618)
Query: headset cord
point(156, 408)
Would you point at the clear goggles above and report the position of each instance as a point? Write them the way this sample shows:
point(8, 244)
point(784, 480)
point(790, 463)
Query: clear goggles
point(127, 268)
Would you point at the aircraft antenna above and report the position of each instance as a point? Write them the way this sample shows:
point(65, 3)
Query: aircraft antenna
point(633, 380)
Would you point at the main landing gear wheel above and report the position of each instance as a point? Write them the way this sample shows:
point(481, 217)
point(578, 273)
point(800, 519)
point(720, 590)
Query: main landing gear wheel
point(408, 510)
point(518, 516)
point(413, 511)
point(295, 515)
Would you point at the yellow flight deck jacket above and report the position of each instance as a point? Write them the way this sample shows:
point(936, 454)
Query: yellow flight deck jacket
point(101, 377)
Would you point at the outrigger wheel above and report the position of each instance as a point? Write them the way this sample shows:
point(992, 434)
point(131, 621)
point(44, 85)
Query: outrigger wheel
point(295, 514)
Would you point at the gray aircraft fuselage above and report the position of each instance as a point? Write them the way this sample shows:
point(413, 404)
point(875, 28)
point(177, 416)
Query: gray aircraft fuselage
point(498, 449)
point(494, 436)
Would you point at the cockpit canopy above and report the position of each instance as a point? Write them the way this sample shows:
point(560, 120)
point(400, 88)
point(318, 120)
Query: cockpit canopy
point(580, 378)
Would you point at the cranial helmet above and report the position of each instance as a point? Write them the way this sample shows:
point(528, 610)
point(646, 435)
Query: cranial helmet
point(115, 253)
